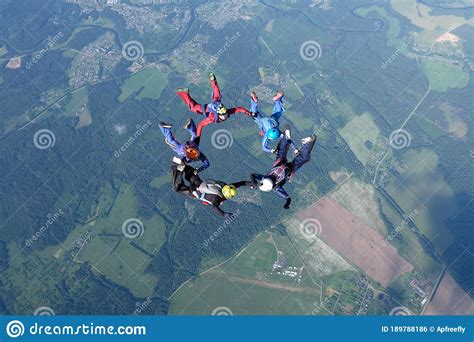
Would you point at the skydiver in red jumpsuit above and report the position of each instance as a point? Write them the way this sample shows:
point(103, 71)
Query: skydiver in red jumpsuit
point(215, 111)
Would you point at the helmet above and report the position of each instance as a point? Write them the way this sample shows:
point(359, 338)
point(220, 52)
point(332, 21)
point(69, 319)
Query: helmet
point(273, 133)
point(266, 185)
point(192, 153)
point(221, 110)
point(229, 191)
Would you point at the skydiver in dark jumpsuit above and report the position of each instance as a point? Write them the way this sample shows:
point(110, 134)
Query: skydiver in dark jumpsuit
point(282, 169)
point(210, 192)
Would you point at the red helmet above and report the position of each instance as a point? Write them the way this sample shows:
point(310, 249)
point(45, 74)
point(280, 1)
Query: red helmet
point(192, 153)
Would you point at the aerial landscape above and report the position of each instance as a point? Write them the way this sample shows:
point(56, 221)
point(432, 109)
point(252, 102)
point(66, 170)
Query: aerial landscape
point(381, 217)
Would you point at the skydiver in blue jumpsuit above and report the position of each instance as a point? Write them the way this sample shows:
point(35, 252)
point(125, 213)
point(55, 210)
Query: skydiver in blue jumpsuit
point(269, 125)
point(189, 151)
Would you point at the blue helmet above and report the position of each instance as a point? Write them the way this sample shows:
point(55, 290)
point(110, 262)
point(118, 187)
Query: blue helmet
point(273, 133)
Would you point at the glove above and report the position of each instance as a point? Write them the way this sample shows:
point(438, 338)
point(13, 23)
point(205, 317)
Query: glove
point(196, 171)
point(296, 152)
point(286, 206)
point(274, 150)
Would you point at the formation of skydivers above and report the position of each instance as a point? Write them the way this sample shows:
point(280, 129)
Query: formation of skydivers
point(185, 178)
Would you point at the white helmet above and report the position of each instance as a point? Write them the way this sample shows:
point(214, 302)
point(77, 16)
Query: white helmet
point(266, 185)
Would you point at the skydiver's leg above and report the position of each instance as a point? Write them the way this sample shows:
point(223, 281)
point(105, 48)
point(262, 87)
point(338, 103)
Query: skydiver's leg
point(277, 108)
point(194, 181)
point(190, 102)
point(190, 126)
point(216, 91)
point(282, 149)
point(178, 182)
point(254, 103)
point(169, 137)
point(305, 154)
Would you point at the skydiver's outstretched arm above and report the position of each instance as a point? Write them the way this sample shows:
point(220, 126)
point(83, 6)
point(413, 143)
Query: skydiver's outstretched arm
point(218, 210)
point(239, 110)
point(205, 162)
point(255, 178)
point(242, 183)
point(265, 147)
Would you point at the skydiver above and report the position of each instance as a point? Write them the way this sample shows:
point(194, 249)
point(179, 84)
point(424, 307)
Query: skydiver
point(209, 192)
point(189, 151)
point(269, 125)
point(284, 170)
point(215, 111)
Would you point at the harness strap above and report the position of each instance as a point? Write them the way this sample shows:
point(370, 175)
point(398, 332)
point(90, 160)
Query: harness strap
point(201, 197)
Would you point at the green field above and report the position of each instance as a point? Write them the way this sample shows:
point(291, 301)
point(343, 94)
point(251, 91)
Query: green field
point(432, 25)
point(407, 243)
point(430, 128)
point(416, 189)
point(70, 53)
point(149, 83)
point(357, 132)
point(214, 291)
point(393, 30)
point(443, 77)
point(115, 256)
point(249, 284)
point(160, 181)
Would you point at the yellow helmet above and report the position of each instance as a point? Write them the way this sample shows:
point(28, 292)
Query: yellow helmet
point(221, 110)
point(229, 191)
